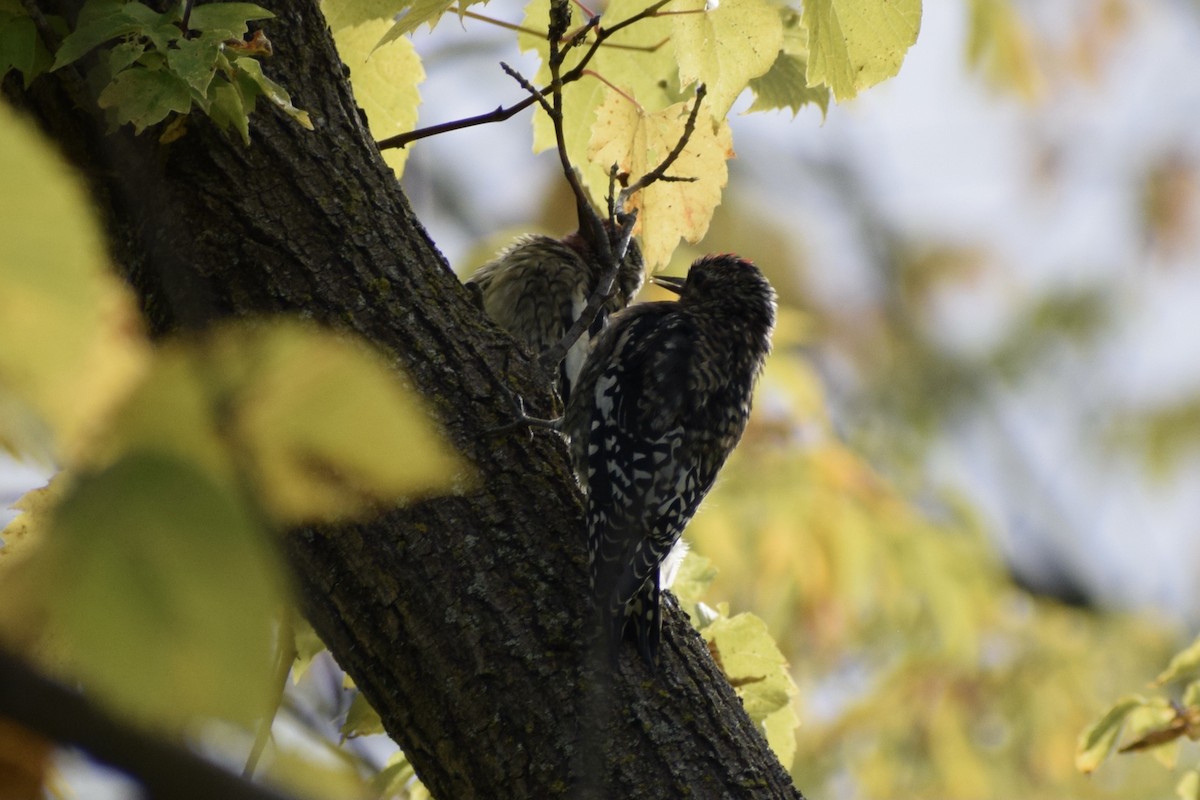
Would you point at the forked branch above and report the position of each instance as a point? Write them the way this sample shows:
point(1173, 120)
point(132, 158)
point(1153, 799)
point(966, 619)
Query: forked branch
point(503, 113)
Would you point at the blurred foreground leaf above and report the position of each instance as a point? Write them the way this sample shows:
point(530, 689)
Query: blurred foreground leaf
point(157, 592)
point(72, 343)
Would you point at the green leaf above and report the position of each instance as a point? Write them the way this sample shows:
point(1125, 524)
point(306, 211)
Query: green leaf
point(161, 592)
point(94, 32)
point(143, 97)
point(1098, 741)
point(227, 107)
point(160, 29)
point(780, 730)
point(726, 47)
point(1184, 666)
point(123, 55)
point(226, 20)
point(855, 44)
point(252, 70)
point(21, 48)
point(195, 60)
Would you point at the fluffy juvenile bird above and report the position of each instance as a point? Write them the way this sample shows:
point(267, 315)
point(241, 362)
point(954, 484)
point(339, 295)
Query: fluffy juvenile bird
point(661, 402)
point(538, 286)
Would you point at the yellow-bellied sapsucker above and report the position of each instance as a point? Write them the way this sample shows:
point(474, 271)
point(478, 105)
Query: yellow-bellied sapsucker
point(661, 402)
point(538, 286)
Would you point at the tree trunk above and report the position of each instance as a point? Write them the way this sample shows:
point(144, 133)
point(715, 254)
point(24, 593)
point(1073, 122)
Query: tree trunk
point(463, 618)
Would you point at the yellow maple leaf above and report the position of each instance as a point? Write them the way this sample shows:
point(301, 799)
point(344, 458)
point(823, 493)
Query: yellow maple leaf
point(855, 44)
point(726, 47)
point(637, 141)
point(384, 76)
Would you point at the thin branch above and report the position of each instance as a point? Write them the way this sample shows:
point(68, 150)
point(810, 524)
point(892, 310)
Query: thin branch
point(498, 115)
point(187, 16)
point(603, 34)
point(590, 226)
point(65, 716)
point(283, 667)
point(659, 172)
point(501, 113)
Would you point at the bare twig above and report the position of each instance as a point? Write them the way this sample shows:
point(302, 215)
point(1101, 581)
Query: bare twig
point(283, 667)
point(512, 26)
point(187, 16)
point(659, 172)
point(66, 717)
point(502, 113)
point(498, 115)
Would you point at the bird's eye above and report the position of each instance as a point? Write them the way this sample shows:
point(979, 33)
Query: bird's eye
point(697, 278)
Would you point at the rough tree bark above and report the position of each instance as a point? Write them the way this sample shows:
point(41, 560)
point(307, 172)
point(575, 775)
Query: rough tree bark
point(462, 619)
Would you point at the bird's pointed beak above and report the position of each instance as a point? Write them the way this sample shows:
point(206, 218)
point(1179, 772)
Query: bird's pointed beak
point(668, 282)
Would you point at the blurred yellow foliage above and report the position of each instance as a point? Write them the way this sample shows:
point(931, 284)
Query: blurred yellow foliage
point(923, 672)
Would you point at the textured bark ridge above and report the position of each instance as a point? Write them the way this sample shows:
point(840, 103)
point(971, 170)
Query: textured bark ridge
point(462, 618)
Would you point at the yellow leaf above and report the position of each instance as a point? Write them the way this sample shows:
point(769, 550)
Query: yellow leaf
point(329, 428)
point(637, 142)
point(784, 85)
point(362, 719)
point(21, 617)
point(999, 45)
point(855, 44)
point(1098, 741)
point(1188, 787)
point(320, 774)
point(752, 662)
point(1185, 665)
point(72, 344)
point(172, 412)
point(396, 778)
point(341, 14)
point(693, 579)
point(319, 424)
point(159, 593)
point(726, 47)
point(385, 79)
point(780, 729)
